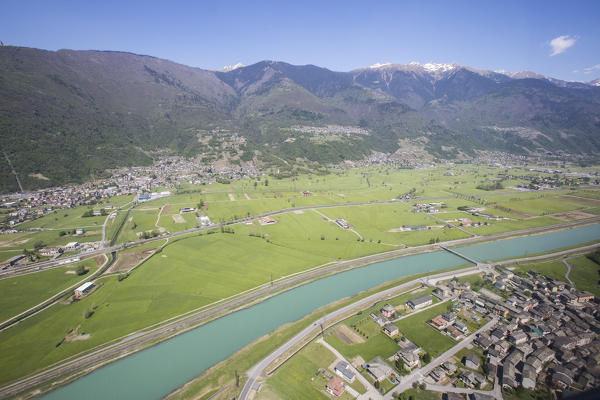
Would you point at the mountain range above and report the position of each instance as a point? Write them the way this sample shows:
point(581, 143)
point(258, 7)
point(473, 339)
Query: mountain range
point(66, 116)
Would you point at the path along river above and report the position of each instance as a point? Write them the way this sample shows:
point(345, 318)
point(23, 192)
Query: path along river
point(158, 370)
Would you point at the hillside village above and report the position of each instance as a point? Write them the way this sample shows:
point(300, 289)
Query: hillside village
point(509, 332)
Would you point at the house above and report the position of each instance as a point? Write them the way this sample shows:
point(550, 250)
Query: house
point(390, 329)
point(450, 367)
point(471, 378)
point(72, 246)
point(471, 361)
point(186, 210)
point(268, 221)
point(79, 231)
point(461, 326)
point(508, 376)
point(481, 396)
point(528, 377)
point(517, 337)
point(388, 311)
point(50, 251)
point(453, 396)
point(342, 223)
point(441, 292)
point(449, 317)
point(437, 375)
point(204, 220)
point(453, 332)
point(379, 371)
point(585, 297)
point(562, 377)
point(483, 341)
point(84, 289)
point(380, 320)
point(439, 323)
point(420, 302)
point(411, 360)
point(335, 386)
point(342, 368)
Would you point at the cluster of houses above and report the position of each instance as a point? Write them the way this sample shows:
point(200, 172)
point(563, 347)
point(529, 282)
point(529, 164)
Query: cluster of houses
point(168, 172)
point(337, 384)
point(342, 223)
point(450, 325)
point(549, 335)
point(428, 208)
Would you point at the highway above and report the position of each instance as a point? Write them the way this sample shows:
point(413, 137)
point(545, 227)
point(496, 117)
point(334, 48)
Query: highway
point(39, 266)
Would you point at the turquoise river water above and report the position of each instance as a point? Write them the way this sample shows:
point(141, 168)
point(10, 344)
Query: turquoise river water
point(158, 370)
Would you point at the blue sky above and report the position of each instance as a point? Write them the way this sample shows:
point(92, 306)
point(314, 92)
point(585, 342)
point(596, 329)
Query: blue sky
point(558, 39)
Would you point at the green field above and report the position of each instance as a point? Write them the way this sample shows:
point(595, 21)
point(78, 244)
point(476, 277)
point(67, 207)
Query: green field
point(554, 269)
point(585, 274)
point(415, 328)
point(197, 270)
point(298, 377)
point(38, 286)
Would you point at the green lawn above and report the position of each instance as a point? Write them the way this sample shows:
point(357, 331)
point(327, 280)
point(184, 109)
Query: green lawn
point(554, 269)
point(38, 286)
point(187, 274)
point(298, 379)
point(415, 328)
point(585, 274)
point(418, 394)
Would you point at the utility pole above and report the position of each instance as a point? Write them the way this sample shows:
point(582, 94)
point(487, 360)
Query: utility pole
point(237, 379)
point(322, 332)
point(271, 279)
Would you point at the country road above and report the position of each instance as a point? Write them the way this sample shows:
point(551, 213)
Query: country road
point(39, 266)
point(177, 324)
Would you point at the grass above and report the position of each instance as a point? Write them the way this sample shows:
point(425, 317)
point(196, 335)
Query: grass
point(299, 377)
point(376, 345)
point(585, 274)
point(38, 286)
point(222, 373)
point(554, 269)
point(418, 394)
point(415, 328)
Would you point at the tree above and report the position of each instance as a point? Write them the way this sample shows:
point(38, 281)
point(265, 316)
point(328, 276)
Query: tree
point(400, 364)
point(81, 270)
point(426, 358)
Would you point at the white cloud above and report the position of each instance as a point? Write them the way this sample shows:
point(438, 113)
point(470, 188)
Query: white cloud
point(591, 69)
point(562, 43)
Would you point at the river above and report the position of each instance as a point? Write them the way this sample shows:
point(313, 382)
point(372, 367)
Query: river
point(154, 372)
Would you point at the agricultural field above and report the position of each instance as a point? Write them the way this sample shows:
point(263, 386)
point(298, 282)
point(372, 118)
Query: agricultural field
point(553, 269)
point(40, 286)
point(585, 274)
point(415, 329)
point(14, 243)
point(304, 377)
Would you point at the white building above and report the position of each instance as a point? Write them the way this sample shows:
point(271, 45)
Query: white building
point(84, 289)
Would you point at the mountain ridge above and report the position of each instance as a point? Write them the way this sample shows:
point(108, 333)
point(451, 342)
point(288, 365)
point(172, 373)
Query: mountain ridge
point(70, 114)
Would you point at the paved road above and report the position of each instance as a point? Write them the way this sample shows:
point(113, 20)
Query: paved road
point(179, 323)
point(371, 392)
point(568, 272)
point(258, 370)
point(51, 264)
point(420, 373)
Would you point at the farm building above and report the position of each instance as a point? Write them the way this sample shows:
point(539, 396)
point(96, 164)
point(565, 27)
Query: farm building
point(84, 289)
point(420, 302)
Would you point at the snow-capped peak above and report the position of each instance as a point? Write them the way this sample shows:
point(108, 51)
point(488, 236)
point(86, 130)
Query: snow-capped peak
point(228, 68)
point(434, 67)
point(379, 65)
